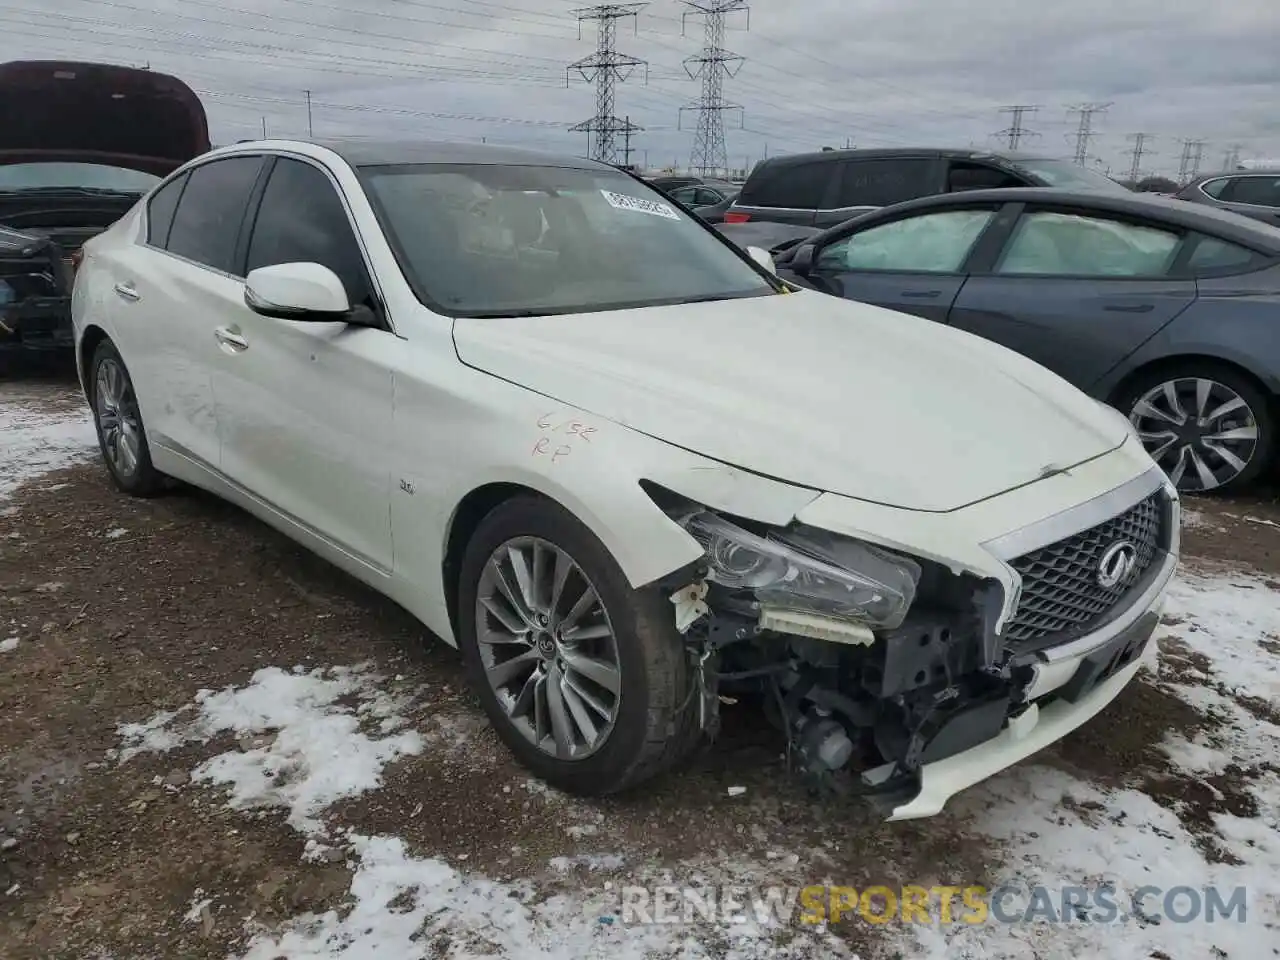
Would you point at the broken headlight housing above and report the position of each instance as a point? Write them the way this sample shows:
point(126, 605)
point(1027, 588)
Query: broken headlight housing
point(808, 570)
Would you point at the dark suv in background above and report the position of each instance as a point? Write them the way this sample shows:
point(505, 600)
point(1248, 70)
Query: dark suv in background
point(1253, 193)
point(823, 189)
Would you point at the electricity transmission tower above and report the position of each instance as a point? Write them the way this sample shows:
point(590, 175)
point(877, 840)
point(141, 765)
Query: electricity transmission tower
point(606, 68)
point(1189, 162)
point(1014, 133)
point(1140, 149)
point(1231, 159)
point(712, 64)
point(1084, 131)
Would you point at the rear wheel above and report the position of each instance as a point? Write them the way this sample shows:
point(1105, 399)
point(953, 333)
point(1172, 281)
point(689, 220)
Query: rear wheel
point(122, 437)
point(1208, 426)
point(584, 679)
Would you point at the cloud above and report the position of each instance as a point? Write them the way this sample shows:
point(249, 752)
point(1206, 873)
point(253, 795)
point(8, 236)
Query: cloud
point(825, 72)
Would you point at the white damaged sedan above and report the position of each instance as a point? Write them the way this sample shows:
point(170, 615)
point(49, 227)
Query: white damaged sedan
point(624, 468)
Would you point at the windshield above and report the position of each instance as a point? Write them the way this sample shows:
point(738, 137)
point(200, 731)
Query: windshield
point(95, 176)
point(491, 240)
point(1062, 173)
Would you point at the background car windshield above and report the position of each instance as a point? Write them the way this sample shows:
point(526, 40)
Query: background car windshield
point(1062, 173)
point(482, 240)
point(97, 176)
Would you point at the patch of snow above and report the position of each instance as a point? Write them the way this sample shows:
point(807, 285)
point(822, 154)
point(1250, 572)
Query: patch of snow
point(1266, 523)
point(404, 906)
point(197, 907)
point(116, 533)
point(590, 861)
point(39, 436)
point(305, 748)
point(1058, 832)
point(8, 645)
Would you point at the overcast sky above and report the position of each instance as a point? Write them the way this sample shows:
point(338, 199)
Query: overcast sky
point(816, 72)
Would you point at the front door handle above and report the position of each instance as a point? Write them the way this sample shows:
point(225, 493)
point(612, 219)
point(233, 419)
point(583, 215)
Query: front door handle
point(922, 294)
point(126, 291)
point(1130, 307)
point(229, 338)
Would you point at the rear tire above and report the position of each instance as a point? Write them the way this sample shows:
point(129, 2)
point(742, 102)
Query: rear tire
point(1208, 426)
point(527, 666)
point(122, 438)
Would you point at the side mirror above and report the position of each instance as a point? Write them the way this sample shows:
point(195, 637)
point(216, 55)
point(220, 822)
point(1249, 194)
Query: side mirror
point(763, 257)
point(802, 260)
point(297, 291)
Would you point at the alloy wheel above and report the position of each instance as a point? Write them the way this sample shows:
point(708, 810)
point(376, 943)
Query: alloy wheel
point(1201, 432)
point(547, 647)
point(118, 420)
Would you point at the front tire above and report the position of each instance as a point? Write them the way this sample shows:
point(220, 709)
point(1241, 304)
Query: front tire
point(122, 438)
point(584, 679)
point(1207, 425)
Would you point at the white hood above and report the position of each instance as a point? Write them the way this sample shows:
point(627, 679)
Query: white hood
point(820, 392)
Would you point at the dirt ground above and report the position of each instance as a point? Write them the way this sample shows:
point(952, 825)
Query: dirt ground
point(126, 608)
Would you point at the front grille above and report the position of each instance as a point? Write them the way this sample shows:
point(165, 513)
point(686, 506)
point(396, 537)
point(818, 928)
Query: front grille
point(1061, 593)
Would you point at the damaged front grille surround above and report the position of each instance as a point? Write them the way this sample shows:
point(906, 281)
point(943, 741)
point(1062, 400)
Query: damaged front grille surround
point(1065, 590)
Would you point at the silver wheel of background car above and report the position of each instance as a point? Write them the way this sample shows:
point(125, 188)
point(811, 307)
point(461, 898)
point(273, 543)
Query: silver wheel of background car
point(118, 420)
point(547, 648)
point(1200, 431)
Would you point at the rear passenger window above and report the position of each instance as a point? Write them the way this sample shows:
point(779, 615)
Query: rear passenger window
point(1211, 254)
point(1072, 245)
point(302, 220)
point(160, 210)
point(881, 182)
point(1262, 191)
point(207, 224)
point(802, 186)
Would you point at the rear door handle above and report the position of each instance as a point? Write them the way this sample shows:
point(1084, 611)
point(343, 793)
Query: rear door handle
point(228, 337)
point(126, 291)
point(1130, 307)
point(922, 294)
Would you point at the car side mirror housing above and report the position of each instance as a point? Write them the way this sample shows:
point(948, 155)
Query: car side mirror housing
point(307, 292)
point(803, 259)
point(764, 258)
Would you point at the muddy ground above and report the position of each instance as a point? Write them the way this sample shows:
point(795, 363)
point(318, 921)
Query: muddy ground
point(125, 608)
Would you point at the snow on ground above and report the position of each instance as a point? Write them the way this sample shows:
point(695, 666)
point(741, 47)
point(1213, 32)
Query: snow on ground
point(1056, 831)
point(38, 435)
point(305, 740)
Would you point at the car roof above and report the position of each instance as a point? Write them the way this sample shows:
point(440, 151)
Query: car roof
point(968, 153)
point(1193, 216)
point(1251, 172)
point(373, 153)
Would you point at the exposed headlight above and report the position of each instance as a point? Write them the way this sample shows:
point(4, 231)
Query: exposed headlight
point(809, 570)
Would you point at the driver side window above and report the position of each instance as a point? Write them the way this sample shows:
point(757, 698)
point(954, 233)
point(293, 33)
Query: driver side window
point(930, 243)
point(302, 220)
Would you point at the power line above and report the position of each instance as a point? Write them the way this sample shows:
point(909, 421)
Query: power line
point(1189, 161)
point(1140, 149)
point(1084, 131)
point(1231, 159)
point(712, 64)
point(1014, 133)
point(606, 68)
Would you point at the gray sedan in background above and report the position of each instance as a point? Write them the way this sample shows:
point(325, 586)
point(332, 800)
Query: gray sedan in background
point(1253, 193)
point(1169, 311)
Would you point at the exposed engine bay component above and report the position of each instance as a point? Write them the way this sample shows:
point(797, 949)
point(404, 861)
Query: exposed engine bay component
point(871, 664)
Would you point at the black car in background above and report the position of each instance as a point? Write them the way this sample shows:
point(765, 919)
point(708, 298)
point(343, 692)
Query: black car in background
point(1253, 193)
point(827, 188)
point(1166, 310)
point(79, 144)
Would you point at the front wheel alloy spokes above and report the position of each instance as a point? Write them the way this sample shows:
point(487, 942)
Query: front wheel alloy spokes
point(117, 411)
point(548, 648)
point(1200, 431)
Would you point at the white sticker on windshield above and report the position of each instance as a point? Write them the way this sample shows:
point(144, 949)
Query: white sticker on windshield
point(623, 202)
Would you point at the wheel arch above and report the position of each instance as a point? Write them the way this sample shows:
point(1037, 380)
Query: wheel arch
point(646, 544)
point(93, 335)
point(1177, 360)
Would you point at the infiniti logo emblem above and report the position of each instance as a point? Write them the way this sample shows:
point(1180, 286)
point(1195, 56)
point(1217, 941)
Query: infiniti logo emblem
point(1117, 564)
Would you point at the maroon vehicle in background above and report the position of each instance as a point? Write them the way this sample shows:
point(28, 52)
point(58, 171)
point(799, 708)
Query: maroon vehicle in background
point(80, 143)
